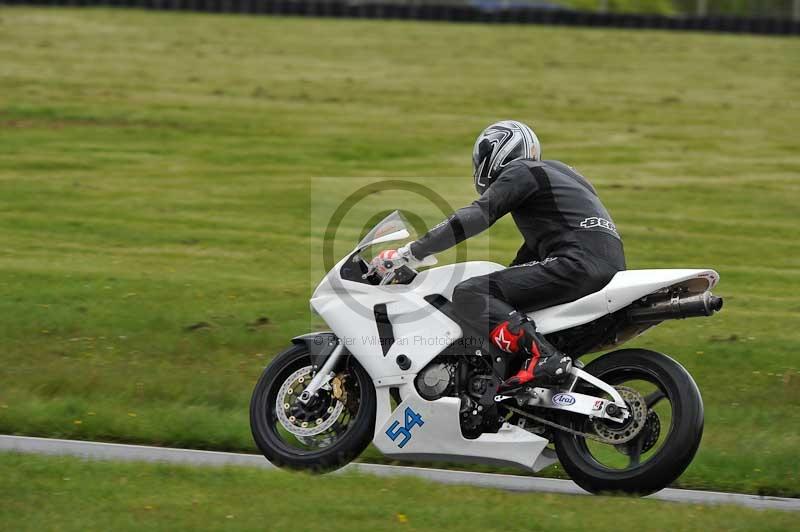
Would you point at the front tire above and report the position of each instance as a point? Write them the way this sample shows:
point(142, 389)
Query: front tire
point(673, 456)
point(288, 444)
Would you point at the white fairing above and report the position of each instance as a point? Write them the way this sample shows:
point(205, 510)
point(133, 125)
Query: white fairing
point(439, 437)
point(625, 288)
point(421, 332)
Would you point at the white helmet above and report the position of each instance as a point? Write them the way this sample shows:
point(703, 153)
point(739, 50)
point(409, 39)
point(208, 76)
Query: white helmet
point(497, 146)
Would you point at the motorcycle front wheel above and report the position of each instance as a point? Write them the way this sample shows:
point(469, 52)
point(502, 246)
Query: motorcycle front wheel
point(668, 431)
point(323, 435)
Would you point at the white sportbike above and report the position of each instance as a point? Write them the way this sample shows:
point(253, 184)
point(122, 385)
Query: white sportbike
point(399, 369)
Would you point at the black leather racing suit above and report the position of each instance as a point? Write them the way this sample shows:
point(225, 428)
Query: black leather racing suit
point(571, 247)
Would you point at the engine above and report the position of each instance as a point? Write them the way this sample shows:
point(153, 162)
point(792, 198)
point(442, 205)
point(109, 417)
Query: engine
point(470, 378)
point(436, 379)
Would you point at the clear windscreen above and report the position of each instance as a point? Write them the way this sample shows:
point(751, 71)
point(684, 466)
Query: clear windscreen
point(393, 227)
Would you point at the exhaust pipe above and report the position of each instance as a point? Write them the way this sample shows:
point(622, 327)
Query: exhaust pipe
point(675, 307)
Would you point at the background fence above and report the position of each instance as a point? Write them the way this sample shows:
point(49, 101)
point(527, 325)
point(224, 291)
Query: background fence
point(779, 9)
point(775, 17)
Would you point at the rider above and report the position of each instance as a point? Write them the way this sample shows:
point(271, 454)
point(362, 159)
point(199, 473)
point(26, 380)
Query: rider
point(571, 247)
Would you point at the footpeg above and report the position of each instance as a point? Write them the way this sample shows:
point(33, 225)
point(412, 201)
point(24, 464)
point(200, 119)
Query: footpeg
point(527, 391)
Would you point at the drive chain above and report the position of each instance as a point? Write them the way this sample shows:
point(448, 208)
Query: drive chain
point(555, 425)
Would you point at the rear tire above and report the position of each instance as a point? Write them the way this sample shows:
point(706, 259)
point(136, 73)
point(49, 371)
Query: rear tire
point(264, 425)
point(679, 447)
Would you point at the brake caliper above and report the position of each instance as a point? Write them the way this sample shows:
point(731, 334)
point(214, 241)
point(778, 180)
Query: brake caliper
point(338, 391)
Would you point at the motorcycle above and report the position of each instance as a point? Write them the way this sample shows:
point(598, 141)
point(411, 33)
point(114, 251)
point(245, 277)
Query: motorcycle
point(398, 368)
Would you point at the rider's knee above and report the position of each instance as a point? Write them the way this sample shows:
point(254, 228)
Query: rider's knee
point(466, 291)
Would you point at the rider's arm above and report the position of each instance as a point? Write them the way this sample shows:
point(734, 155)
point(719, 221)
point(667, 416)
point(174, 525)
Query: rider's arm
point(513, 186)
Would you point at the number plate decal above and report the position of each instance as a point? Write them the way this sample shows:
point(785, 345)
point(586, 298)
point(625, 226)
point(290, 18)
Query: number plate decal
point(395, 431)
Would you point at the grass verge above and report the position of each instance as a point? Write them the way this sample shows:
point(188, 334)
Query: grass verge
point(46, 493)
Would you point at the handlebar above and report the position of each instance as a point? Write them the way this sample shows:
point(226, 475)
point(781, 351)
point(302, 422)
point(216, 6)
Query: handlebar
point(396, 268)
point(391, 267)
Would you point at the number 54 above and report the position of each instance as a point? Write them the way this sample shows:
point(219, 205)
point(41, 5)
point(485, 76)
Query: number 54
point(411, 419)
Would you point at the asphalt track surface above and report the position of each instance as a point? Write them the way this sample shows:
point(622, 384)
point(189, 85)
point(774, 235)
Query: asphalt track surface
point(124, 452)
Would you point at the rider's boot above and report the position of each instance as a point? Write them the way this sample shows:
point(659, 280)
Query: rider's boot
point(544, 363)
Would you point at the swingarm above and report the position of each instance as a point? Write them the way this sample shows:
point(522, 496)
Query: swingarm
point(588, 405)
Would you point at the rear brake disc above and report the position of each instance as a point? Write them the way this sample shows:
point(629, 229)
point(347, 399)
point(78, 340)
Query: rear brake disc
point(619, 433)
point(650, 434)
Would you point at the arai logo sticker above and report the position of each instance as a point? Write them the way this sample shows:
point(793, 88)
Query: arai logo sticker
point(563, 399)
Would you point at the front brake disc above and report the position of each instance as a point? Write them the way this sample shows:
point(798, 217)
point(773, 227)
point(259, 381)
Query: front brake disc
point(287, 398)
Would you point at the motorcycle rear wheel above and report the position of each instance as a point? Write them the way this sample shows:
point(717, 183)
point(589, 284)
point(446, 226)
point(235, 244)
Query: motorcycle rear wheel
point(678, 446)
point(289, 440)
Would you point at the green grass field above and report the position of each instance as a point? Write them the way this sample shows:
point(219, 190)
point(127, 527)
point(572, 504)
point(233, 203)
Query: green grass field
point(156, 176)
point(37, 492)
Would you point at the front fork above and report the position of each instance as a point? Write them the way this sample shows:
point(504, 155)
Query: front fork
point(323, 376)
point(325, 350)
